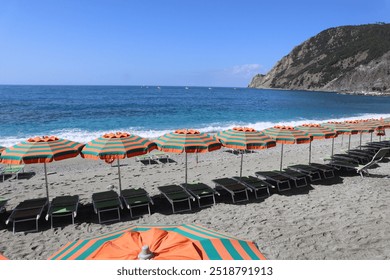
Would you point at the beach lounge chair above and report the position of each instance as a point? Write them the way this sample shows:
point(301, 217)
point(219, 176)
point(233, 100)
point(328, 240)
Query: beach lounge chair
point(12, 171)
point(106, 201)
point(281, 182)
point(201, 192)
point(363, 169)
point(327, 170)
point(259, 187)
point(160, 156)
point(234, 188)
point(299, 178)
point(145, 159)
point(3, 202)
point(360, 159)
point(134, 198)
point(311, 171)
point(176, 194)
point(61, 206)
point(28, 210)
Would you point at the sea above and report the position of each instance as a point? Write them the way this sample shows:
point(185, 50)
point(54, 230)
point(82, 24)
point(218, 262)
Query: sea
point(82, 113)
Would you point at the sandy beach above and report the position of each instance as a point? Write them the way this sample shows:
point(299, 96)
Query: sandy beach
point(342, 218)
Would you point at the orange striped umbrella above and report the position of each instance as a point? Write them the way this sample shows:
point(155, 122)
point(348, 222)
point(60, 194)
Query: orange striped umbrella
point(317, 132)
point(187, 141)
point(116, 146)
point(287, 135)
point(343, 129)
point(41, 150)
point(362, 127)
point(245, 138)
point(164, 242)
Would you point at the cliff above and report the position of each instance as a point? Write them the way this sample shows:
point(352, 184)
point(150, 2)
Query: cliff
point(351, 59)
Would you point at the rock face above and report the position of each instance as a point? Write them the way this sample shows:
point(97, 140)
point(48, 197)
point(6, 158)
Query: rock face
point(351, 59)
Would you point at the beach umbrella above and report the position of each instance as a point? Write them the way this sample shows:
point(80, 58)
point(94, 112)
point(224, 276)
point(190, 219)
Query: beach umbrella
point(317, 132)
point(160, 243)
point(362, 127)
point(41, 150)
point(245, 138)
point(379, 126)
point(287, 135)
point(187, 141)
point(117, 146)
point(343, 129)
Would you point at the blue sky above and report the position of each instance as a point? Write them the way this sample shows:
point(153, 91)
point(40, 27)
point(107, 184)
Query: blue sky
point(165, 42)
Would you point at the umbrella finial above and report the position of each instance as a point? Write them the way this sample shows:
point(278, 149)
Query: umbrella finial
point(145, 253)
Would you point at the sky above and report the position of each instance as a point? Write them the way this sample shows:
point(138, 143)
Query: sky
point(162, 42)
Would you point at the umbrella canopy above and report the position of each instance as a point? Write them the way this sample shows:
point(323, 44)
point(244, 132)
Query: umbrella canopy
point(116, 146)
point(187, 141)
point(41, 150)
point(287, 135)
point(164, 242)
point(245, 138)
point(317, 132)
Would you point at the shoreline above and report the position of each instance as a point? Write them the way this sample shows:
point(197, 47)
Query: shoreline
point(363, 93)
point(343, 218)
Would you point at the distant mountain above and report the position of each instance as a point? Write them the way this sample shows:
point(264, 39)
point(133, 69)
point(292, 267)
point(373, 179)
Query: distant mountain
point(351, 59)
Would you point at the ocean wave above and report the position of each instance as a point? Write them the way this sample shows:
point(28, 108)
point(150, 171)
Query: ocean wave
point(84, 136)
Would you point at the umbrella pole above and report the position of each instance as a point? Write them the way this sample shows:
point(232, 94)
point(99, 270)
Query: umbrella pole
point(371, 136)
point(47, 185)
point(360, 141)
point(186, 170)
point(310, 152)
point(349, 142)
point(242, 157)
point(119, 177)
point(281, 158)
point(332, 146)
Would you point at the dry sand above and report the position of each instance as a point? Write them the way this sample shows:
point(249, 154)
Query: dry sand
point(344, 218)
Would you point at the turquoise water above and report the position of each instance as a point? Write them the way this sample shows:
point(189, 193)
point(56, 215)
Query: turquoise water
point(82, 113)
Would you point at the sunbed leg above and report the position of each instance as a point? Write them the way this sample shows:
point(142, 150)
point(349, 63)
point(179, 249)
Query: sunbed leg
point(131, 213)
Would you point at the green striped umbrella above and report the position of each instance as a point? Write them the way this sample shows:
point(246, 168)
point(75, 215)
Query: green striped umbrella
point(245, 138)
point(362, 127)
point(317, 132)
point(343, 129)
point(116, 146)
point(287, 135)
point(187, 141)
point(165, 242)
point(41, 150)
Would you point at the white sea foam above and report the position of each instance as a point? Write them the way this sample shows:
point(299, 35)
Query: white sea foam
point(84, 136)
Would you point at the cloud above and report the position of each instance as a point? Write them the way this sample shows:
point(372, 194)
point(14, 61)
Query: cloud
point(245, 70)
